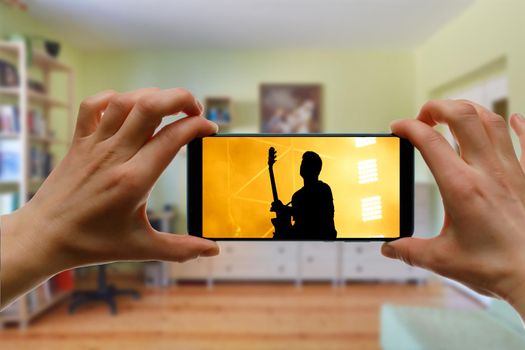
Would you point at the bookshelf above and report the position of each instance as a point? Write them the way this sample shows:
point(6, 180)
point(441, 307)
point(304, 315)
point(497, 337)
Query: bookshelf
point(27, 153)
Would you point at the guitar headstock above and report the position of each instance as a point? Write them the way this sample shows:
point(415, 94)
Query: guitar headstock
point(272, 155)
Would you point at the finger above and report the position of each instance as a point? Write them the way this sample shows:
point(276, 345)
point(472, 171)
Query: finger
point(181, 248)
point(90, 111)
point(155, 156)
point(497, 131)
point(463, 120)
point(117, 111)
point(517, 122)
point(412, 251)
point(443, 161)
point(148, 112)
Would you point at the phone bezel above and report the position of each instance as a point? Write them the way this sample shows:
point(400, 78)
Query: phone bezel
point(194, 188)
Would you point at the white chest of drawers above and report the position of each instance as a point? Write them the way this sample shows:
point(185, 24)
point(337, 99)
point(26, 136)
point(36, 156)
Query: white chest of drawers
point(308, 261)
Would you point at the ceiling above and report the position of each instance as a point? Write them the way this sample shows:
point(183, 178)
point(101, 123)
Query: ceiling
point(201, 24)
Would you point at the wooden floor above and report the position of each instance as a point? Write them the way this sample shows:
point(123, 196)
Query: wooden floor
point(232, 316)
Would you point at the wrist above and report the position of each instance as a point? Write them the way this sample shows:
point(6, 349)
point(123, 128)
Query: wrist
point(29, 254)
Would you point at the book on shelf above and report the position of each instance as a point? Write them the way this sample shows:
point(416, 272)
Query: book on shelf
point(63, 282)
point(9, 160)
point(8, 74)
point(41, 163)
point(9, 202)
point(9, 121)
point(36, 123)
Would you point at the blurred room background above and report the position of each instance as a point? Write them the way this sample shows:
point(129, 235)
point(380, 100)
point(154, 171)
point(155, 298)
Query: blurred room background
point(368, 62)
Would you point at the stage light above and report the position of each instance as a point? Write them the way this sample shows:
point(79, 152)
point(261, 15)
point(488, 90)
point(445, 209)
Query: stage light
point(371, 208)
point(367, 171)
point(364, 141)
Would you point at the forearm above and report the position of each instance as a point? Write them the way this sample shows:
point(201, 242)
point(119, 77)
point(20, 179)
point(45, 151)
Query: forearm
point(27, 256)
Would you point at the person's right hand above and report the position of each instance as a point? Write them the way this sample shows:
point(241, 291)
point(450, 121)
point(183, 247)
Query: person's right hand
point(482, 242)
point(92, 207)
point(277, 206)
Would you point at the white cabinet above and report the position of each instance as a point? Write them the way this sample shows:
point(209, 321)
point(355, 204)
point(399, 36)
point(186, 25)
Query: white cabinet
point(256, 261)
point(319, 260)
point(363, 261)
point(309, 261)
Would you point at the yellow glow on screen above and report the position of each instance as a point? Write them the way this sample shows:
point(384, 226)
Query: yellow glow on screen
point(363, 174)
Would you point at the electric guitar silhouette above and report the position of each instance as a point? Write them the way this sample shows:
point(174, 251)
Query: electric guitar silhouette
point(283, 220)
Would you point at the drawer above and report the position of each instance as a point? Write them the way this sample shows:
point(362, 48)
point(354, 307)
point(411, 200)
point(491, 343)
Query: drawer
point(319, 248)
point(261, 250)
point(319, 269)
point(387, 271)
point(263, 270)
point(353, 251)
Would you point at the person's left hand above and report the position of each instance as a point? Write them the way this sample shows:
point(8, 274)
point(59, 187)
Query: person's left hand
point(92, 208)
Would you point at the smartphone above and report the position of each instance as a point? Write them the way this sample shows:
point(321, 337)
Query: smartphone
point(301, 187)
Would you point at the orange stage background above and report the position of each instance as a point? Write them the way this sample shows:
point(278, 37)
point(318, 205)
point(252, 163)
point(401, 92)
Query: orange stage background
point(237, 192)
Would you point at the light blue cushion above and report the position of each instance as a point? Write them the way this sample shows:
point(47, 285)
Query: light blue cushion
point(506, 314)
point(414, 328)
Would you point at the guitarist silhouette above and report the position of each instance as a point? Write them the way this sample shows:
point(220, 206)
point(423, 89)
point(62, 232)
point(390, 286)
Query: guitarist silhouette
point(312, 206)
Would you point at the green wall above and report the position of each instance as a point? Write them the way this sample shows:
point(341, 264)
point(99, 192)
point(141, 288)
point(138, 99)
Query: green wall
point(487, 39)
point(362, 91)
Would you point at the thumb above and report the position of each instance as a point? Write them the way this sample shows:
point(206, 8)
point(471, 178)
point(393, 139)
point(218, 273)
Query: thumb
point(413, 251)
point(517, 122)
point(181, 248)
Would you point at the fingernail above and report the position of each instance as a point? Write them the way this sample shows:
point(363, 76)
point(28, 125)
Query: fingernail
point(215, 125)
point(520, 116)
point(388, 251)
point(211, 251)
point(201, 107)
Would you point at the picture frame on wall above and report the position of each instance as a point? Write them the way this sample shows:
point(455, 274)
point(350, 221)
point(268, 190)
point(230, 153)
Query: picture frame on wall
point(290, 108)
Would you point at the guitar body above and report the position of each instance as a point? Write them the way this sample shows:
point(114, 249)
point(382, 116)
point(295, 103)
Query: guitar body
point(282, 223)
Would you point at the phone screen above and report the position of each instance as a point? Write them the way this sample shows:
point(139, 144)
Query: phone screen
point(301, 188)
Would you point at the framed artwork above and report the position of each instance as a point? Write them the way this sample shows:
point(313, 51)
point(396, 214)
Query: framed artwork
point(290, 108)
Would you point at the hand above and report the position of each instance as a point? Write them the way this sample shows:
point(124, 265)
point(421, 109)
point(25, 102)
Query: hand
point(277, 206)
point(482, 241)
point(92, 207)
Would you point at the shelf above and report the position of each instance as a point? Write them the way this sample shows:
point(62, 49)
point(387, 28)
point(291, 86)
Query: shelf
point(9, 136)
point(9, 186)
point(15, 317)
point(46, 140)
point(55, 299)
point(34, 139)
point(35, 97)
point(8, 183)
point(40, 57)
point(13, 91)
point(35, 181)
point(45, 100)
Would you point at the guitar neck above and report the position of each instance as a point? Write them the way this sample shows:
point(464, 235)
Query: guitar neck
point(274, 187)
